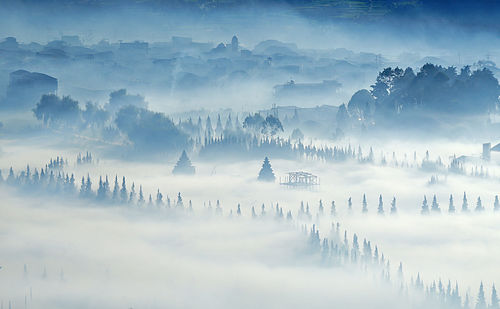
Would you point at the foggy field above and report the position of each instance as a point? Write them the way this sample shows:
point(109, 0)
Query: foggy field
point(249, 154)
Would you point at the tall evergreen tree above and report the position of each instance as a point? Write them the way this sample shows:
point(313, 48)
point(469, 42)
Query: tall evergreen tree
point(349, 205)
point(159, 198)
point(116, 190)
point(380, 209)
point(435, 205)
point(394, 209)
point(425, 207)
point(183, 165)
point(131, 198)
point(496, 205)
point(333, 209)
point(88, 187)
point(83, 188)
point(465, 205)
point(451, 206)
point(101, 193)
point(179, 203)
point(321, 208)
point(481, 300)
point(494, 298)
point(140, 201)
point(266, 172)
point(479, 205)
point(365, 204)
point(238, 211)
point(123, 191)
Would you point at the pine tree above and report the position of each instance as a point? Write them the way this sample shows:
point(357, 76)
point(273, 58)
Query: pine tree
point(380, 209)
point(116, 189)
point(451, 207)
point(11, 178)
point(123, 191)
point(465, 205)
point(140, 201)
point(131, 198)
point(266, 173)
point(82, 188)
point(435, 205)
point(159, 198)
point(479, 205)
point(394, 209)
point(481, 301)
point(494, 298)
point(238, 211)
point(320, 208)
point(184, 166)
point(425, 207)
point(349, 205)
point(101, 194)
point(333, 209)
point(88, 187)
point(254, 215)
point(496, 205)
point(365, 205)
point(179, 203)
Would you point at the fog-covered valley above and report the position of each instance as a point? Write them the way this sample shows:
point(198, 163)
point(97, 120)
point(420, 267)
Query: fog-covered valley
point(207, 154)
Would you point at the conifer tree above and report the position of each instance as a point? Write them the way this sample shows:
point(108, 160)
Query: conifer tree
point(349, 205)
point(179, 203)
point(183, 166)
point(394, 209)
point(380, 209)
point(150, 201)
point(11, 178)
point(494, 298)
point(159, 198)
point(140, 201)
point(320, 208)
point(82, 188)
point(254, 215)
point(465, 205)
point(481, 301)
point(116, 189)
point(425, 207)
point(435, 205)
point(238, 211)
point(266, 172)
point(123, 191)
point(131, 198)
point(101, 193)
point(496, 205)
point(365, 205)
point(88, 186)
point(333, 209)
point(479, 205)
point(451, 207)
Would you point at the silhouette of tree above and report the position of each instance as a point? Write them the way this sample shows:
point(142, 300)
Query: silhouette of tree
point(183, 165)
point(266, 173)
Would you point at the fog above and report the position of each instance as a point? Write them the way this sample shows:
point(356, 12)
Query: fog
point(220, 154)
